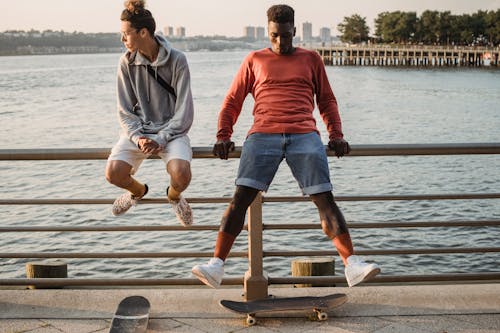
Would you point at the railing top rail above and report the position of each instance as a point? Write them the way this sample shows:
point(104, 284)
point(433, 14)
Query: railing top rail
point(206, 152)
point(406, 197)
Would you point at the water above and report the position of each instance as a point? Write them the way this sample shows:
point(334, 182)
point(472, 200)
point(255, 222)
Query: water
point(68, 101)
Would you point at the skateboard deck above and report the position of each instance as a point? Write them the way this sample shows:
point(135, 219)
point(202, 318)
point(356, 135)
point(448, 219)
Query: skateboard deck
point(318, 304)
point(131, 316)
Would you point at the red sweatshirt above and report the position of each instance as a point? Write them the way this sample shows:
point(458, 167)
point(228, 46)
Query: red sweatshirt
point(283, 87)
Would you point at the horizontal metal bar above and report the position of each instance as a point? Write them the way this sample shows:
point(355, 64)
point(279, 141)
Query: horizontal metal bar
point(317, 280)
point(206, 152)
point(416, 197)
point(293, 226)
point(382, 225)
point(328, 280)
point(109, 228)
point(122, 255)
point(59, 282)
point(116, 255)
point(103, 201)
point(424, 149)
point(385, 251)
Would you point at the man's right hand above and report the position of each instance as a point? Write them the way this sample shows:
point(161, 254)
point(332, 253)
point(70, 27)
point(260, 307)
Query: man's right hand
point(222, 148)
point(148, 146)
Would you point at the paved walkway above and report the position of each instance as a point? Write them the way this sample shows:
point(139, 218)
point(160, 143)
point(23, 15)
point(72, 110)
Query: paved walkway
point(374, 309)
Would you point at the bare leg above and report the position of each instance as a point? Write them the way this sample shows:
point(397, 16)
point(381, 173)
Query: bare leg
point(118, 173)
point(333, 224)
point(233, 220)
point(180, 177)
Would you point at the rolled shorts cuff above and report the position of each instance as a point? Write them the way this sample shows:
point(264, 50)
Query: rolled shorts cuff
point(252, 183)
point(315, 189)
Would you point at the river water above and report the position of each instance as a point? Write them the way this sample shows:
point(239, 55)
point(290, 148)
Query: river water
point(68, 101)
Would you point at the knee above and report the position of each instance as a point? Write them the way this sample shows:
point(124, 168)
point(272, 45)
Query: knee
point(330, 228)
point(244, 196)
point(115, 176)
point(112, 177)
point(180, 171)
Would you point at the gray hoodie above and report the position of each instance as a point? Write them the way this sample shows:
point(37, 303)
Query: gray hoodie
point(145, 108)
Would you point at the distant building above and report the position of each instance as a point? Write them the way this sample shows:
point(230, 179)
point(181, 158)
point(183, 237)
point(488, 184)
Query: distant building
point(168, 31)
point(254, 33)
point(249, 32)
point(325, 34)
point(307, 32)
point(180, 32)
point(260, 33)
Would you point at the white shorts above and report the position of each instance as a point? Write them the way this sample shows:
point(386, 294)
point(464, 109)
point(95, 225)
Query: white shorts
point(125, 150)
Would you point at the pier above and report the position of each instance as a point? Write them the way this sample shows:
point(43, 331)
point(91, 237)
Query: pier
point(410, 55)
point(376, 309)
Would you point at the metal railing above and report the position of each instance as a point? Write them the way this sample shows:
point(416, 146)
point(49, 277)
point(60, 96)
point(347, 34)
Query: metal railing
point(255, 280)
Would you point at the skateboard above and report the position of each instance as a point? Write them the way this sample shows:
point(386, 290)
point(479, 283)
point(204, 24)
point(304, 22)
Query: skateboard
point(131, 316)
point(318, 304)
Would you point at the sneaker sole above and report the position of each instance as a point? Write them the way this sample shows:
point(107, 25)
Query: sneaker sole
point(178, 216)
point(362, 278)
point(181, 221)
point(120, 213)
point(204, 277)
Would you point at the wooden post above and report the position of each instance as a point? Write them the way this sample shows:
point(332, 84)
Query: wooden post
point(313, 267)
point(256, 282)
point(46, 269)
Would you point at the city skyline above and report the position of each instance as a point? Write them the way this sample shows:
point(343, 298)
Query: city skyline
point(217, 17)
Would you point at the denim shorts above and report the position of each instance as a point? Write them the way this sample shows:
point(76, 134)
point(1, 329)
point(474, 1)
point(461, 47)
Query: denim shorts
point(305, 154)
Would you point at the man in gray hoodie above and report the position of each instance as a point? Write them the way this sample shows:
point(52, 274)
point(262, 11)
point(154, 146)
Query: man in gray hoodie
point(155, 111)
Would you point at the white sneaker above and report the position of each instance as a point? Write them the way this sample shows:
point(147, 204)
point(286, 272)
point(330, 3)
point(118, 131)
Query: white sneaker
point(358, 271)
point(211, 273)
point(125, 201)
point(182, 210)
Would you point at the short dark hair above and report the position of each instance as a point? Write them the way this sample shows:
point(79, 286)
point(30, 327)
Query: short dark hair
point(281, 14)
point(138, 16)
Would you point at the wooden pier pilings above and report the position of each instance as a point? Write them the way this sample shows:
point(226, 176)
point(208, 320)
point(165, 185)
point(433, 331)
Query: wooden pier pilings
point(423, 56)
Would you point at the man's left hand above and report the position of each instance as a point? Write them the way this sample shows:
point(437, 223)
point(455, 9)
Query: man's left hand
point(148, 146)
point(340, 147)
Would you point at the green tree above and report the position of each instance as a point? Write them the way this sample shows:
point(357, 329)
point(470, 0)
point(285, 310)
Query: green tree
point(428, 28)
point(492, 31)
point(398, 27)
point(444, 27)
point(478, 25)
point(353, 29)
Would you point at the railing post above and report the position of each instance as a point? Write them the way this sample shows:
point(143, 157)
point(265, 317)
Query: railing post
point(256, 281)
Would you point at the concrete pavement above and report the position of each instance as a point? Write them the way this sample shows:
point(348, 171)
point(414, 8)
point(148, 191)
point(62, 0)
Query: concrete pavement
point(377, 309)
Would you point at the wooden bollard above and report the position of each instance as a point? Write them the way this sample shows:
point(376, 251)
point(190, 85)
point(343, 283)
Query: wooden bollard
point(313, 267)
point(46, 269)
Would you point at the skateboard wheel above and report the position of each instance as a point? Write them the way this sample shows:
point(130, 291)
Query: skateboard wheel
point(251, 320)
point(322, 316)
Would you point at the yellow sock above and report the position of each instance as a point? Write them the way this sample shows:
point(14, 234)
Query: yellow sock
point(172, 194)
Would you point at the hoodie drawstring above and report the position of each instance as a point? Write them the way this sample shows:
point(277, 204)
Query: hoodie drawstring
point(148, 86)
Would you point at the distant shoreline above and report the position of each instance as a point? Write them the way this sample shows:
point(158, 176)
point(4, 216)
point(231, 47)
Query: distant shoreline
point(17, 44)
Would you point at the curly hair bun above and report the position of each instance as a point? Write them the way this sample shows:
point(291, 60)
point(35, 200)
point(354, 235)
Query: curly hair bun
point(135, 6)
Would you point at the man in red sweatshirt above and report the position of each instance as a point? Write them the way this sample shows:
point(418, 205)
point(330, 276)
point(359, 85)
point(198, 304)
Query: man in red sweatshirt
point(283, 81)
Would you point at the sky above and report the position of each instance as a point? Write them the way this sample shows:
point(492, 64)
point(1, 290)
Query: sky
point(211, 17)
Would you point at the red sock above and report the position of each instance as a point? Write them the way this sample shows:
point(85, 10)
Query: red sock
point(223, 244)
point(344, 246)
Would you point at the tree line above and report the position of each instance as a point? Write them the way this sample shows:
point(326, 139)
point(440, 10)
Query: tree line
point(431, 28)
point(16, 42)
point(12, 41)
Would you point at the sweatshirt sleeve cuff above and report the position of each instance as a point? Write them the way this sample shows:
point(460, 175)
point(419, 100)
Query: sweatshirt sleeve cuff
point(135, 139)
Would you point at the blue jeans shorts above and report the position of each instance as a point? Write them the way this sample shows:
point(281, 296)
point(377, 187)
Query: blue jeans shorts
point(305, 154)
